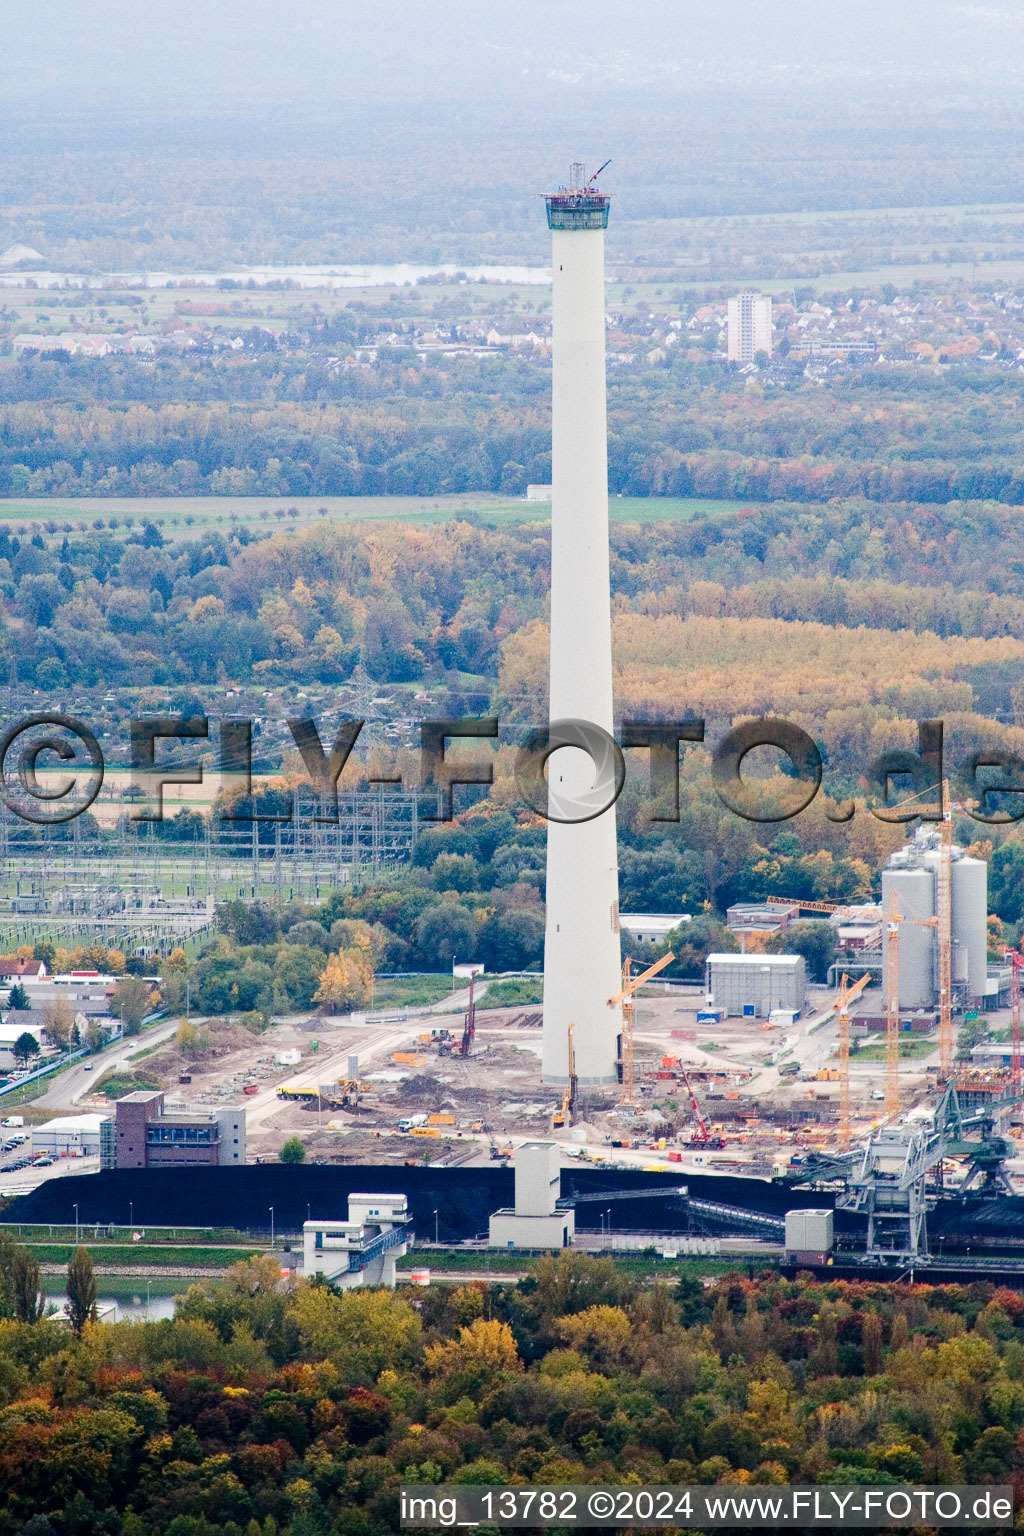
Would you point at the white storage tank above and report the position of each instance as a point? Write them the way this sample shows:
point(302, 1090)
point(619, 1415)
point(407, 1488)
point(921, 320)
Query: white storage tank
point(969, 889)
point(915, 898)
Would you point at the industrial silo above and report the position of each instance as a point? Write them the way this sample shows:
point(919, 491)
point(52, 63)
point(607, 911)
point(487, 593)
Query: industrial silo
point(969, 890)
point(915, 898)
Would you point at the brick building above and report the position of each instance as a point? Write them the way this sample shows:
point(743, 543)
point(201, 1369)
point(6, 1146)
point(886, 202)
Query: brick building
point(148, 1136)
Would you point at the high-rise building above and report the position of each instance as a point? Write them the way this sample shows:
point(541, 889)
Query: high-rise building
point(582, 954)
point(750, 327)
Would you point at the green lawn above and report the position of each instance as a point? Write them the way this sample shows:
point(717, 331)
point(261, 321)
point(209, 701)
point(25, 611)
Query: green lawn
point(159, 1255)
point(454, 1263)
point(910, 1050)
point(515, 991)
point(411, 991)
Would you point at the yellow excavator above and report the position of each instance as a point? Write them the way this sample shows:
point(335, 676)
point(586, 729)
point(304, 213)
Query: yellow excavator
point(566, 1113)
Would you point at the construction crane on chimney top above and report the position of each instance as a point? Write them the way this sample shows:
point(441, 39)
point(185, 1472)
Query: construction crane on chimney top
point(630, 986)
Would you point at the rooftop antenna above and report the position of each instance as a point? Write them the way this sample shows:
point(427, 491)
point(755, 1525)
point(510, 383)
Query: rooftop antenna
point(597, 173)
point(577, 173)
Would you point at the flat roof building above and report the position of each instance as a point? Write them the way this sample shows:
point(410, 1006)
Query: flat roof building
point(148, 1136)
point(754, 985)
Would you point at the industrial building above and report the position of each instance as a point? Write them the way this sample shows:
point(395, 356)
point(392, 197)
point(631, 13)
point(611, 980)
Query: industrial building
point(362, 1250)
point(650, 928)
point(912, 876)
point(809, 1236)
point(755, 985)
point(750, 327)
point(536, 1221)
point(76, 1136)
point(582, 952)
point(148, 1136)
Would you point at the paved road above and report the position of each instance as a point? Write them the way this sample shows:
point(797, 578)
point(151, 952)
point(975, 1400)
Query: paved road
point(77, 1081)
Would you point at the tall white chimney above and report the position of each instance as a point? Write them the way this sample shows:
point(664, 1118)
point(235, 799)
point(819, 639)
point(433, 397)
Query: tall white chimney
point(582, 960)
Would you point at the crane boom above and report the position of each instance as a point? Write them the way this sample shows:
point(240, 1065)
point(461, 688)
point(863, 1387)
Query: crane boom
point(625, 997)
point(704, 1136)
point(844, 998)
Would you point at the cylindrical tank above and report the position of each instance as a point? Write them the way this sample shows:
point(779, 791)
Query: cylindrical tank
point(969, 889)
point(915, 898)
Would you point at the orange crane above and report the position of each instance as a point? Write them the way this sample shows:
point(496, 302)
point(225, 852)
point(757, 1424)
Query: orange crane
point(630, 986)
point(944, 910)
point(1016, 960)
point(844, 997)
point(816, 906)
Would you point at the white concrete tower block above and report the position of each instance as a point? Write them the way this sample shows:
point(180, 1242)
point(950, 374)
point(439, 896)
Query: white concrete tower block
point(582, 958)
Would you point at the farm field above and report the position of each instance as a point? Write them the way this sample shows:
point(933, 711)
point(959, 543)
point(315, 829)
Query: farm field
point(188, 517)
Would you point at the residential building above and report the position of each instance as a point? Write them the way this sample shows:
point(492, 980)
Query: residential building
point(750, 327)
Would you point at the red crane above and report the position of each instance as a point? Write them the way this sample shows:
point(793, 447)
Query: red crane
point(701, 1135)
point(469, 1030)
point(1016, 960)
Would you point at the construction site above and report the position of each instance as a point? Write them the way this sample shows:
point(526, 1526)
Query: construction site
point(853, 1095)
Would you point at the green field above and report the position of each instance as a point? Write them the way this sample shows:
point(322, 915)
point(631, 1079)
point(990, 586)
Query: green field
point(513, 992)
point(410, 991)
point(455, 1263)
point(163, 1256)
point(188, 517)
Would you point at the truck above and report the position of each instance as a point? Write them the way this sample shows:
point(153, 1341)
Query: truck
point(410, 1122)
point(789, 1069)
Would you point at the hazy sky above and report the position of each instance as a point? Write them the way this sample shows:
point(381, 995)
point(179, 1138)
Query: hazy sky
point(140, 54)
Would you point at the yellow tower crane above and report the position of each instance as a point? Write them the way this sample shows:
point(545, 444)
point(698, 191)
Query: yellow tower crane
point(844, 997)
point(944, 910)
point(630, 986)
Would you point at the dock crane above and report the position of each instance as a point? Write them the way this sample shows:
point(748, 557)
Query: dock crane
point(844, 998)
point(469, 1029)
point(630, 985)
point(567, 1112)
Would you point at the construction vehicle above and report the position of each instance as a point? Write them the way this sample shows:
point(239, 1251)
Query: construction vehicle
point(701, 1137)
point(502, 1154)
point(566, 1114)
point(469, 1029)
point(630, 986)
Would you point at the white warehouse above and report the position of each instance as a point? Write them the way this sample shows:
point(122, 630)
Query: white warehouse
point(755, 984)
